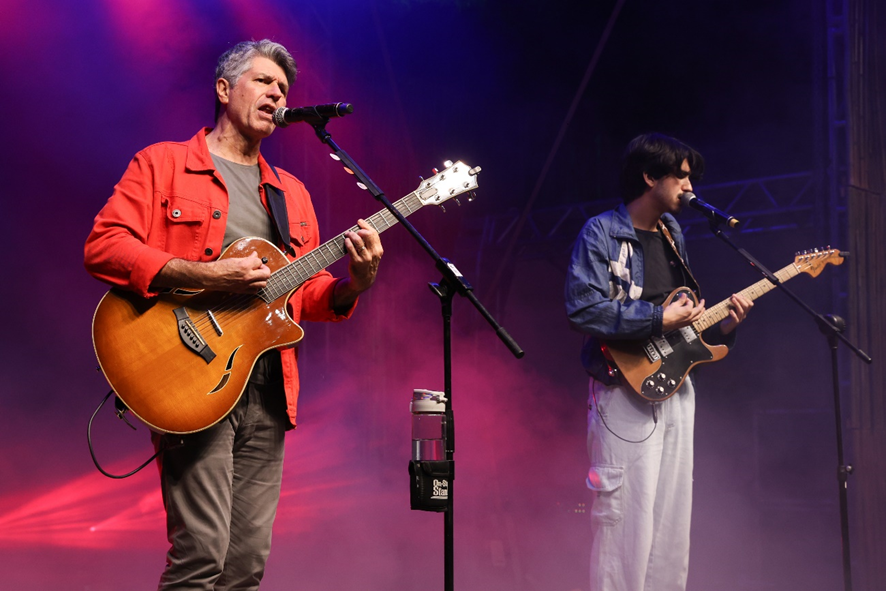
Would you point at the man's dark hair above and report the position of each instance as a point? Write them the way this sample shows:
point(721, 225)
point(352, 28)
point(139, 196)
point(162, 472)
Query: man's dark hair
point(656, 155)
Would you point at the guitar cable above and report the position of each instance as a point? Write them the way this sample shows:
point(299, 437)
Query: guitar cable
point(92, 451)
point(603, 419)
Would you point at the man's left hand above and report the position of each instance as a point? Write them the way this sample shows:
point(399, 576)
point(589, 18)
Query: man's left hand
point(364, 248)
point(737, 313)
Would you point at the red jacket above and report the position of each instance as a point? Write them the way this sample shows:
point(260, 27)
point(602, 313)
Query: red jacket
point(171, 203)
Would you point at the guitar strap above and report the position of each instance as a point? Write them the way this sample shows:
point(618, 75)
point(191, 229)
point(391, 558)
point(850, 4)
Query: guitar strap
point(667, 234)
point(277, 205)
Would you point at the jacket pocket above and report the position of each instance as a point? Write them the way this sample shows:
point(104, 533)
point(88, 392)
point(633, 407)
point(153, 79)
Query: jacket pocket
point(299, 230)
point(607, 507)
point(186, 223)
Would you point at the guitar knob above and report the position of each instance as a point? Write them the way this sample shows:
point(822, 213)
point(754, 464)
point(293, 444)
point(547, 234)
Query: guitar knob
point(661, 377)
point(650, 384)
point(671, 383)
point(660, 390)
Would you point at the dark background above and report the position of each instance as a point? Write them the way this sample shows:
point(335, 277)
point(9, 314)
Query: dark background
point(88, 84)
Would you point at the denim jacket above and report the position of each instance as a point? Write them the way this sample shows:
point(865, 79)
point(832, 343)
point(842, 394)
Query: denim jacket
point(604, 283)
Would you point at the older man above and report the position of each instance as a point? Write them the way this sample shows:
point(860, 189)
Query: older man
point(177, 207)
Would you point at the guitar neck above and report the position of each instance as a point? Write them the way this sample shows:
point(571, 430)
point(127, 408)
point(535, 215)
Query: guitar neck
point(293, 275)
point(719, 311)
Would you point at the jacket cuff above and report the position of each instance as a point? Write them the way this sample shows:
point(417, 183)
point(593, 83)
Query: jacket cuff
point(657, 320)
point(147, 265)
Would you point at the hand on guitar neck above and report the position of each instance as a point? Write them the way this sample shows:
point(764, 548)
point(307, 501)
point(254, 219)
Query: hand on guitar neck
point(365, 249)
point(738, 311)
point(683, 312)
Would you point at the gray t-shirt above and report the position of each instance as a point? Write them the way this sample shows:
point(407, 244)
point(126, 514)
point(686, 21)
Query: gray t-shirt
point(246, 214)
point(248, 217)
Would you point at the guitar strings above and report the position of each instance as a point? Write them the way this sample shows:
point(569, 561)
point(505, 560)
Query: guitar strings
point(292, 275)
point(719, 311)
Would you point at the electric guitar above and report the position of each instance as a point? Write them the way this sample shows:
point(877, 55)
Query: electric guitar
point(655, 368)
point(180, 361)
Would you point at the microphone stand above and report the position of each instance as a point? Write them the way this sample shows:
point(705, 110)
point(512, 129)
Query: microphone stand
point(832, 327)
point(451, 283)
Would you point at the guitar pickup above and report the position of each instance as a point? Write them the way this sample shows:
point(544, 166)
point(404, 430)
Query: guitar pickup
point(191, 337)
point(651, 352)
point(659, 345)
point(688, 333)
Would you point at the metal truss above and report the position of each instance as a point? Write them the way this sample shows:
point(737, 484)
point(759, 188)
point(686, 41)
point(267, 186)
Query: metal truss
point(763, 204)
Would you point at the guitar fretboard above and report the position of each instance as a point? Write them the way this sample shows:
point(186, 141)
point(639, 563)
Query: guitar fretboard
point(719, 311)
point(293, 275)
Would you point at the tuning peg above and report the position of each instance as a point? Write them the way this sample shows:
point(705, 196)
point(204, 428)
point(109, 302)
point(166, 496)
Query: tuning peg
point(457, 202)
point(471, 196)
point(443, 209)
point(420, 178)
point(434, 170)
point(474, 171)
point(447, 164)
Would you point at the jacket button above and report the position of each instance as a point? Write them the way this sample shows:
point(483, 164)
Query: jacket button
point(216, 214)
point(176, 213)
point(208, 252)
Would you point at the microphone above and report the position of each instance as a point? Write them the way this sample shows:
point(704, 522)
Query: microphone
point(312, 114)
point(709, 211)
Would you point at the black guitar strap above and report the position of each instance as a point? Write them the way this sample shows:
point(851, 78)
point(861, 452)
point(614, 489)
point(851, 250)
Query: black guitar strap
point(667, 234)
point(277, 205)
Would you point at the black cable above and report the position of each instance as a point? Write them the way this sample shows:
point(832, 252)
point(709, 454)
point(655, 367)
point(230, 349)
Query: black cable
point(92, 451)
point(600, 414)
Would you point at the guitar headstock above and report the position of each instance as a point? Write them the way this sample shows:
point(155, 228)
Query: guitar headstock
point(456, 179)
point(813, 261)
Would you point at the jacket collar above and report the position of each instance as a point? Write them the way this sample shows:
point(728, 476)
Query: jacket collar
point(200, 160)
point(623, 228)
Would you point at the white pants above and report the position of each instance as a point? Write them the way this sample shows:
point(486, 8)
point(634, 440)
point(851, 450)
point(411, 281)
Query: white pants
point(642, 505)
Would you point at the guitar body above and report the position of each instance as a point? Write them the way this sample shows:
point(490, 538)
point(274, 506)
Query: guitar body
point(655, 368)
point(181, 362)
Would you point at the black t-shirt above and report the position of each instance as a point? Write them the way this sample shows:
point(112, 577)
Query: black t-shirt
point(662, 270)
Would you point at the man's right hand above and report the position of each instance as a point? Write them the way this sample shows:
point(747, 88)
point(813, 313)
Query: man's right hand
point(681, 312)
point(237, 275)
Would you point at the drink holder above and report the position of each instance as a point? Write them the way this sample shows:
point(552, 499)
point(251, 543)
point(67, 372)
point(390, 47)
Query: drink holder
point(429, 485)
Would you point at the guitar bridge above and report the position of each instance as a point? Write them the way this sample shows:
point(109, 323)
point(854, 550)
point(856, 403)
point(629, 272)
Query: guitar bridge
point(191, 337)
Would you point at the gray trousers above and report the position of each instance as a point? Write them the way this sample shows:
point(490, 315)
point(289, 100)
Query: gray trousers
point(220, 490)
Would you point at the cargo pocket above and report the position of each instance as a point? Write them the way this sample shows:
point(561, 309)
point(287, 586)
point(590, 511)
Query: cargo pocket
point(606, 482)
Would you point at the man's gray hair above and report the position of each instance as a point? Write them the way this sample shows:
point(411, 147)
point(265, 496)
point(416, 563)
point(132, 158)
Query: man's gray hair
point(235, 61)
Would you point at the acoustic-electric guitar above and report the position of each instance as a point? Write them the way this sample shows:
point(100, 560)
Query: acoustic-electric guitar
point(180, 361)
